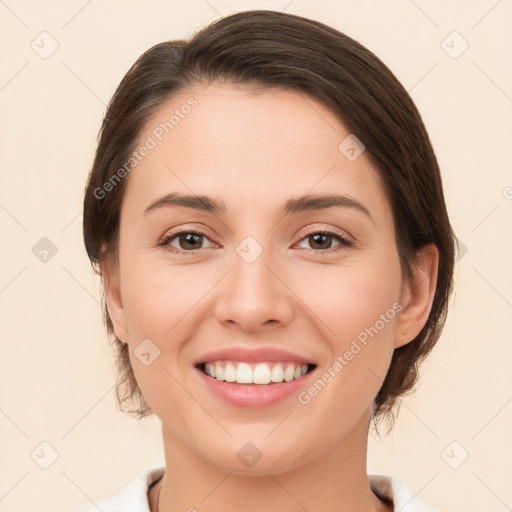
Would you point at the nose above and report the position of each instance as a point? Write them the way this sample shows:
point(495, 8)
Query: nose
point(254, 296)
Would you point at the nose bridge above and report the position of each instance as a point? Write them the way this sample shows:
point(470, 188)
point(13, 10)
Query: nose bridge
point(252, 294)
point(251, 274)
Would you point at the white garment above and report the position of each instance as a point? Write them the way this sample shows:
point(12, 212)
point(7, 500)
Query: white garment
point(134, 497)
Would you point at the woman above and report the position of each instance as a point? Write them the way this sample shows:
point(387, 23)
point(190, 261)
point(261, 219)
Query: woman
point(266, 212)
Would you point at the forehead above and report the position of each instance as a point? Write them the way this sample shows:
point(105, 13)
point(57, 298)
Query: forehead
point(247, 147)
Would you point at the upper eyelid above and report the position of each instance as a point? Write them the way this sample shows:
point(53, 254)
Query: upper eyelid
point(205, 231)
point(333, 230)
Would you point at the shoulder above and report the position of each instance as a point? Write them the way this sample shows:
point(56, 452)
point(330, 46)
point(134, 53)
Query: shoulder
point(403, 498)
point(133, 498)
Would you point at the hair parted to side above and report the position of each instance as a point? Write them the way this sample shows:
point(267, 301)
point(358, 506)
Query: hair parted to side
point(267, 49)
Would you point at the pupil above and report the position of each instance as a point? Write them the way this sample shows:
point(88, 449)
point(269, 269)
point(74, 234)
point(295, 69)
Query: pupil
point(320, 236)
point(190, 238)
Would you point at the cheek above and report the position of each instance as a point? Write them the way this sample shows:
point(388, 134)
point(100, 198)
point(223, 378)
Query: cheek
point(357, 309)
point(159, 303)
point(352, 298)
point(159, 299)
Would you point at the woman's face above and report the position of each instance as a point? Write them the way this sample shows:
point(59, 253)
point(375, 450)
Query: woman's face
point(259, 274)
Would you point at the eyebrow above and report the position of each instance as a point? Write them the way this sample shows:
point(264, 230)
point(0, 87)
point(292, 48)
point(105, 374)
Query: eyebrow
point(294, 205)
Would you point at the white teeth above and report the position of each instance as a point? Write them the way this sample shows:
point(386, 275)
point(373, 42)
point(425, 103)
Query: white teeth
point(243, 374)
point(229, 373)
point(219, 372)
point(277, 373)
point(289, 373)
point(261, 373)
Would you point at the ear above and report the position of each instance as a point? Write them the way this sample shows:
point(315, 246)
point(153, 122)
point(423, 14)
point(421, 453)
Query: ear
point(112, 286)
point(417, 298)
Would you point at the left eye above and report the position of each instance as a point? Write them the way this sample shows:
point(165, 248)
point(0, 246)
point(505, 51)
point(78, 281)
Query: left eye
point(323, 238)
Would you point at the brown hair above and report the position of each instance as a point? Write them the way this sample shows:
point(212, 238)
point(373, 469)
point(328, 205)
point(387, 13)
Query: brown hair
point(273, 49)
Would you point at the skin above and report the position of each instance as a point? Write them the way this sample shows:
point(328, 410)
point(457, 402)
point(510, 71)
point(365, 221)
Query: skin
point(254, 151)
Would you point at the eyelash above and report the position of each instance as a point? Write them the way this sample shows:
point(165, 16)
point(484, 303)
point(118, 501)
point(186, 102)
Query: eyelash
point(344, 242)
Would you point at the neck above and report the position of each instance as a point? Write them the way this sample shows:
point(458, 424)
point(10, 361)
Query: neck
point(334, 482)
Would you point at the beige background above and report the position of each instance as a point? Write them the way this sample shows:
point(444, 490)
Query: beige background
point(56, 372)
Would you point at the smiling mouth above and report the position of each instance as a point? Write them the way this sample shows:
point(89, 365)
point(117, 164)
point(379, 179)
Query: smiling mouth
point(237, 372)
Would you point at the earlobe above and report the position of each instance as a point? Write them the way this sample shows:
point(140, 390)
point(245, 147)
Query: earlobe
point(111, 284)
point(417, 299)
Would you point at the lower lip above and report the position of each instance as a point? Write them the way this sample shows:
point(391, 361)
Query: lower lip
point(253, 395)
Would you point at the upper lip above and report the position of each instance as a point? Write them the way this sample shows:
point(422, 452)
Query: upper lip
point(256, 355)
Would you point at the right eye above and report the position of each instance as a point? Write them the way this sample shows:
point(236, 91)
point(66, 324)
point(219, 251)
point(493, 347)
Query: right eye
point(187, 241)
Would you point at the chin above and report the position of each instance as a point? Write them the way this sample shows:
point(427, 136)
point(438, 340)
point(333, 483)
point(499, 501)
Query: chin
point(272, 465)
point(253, 459)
